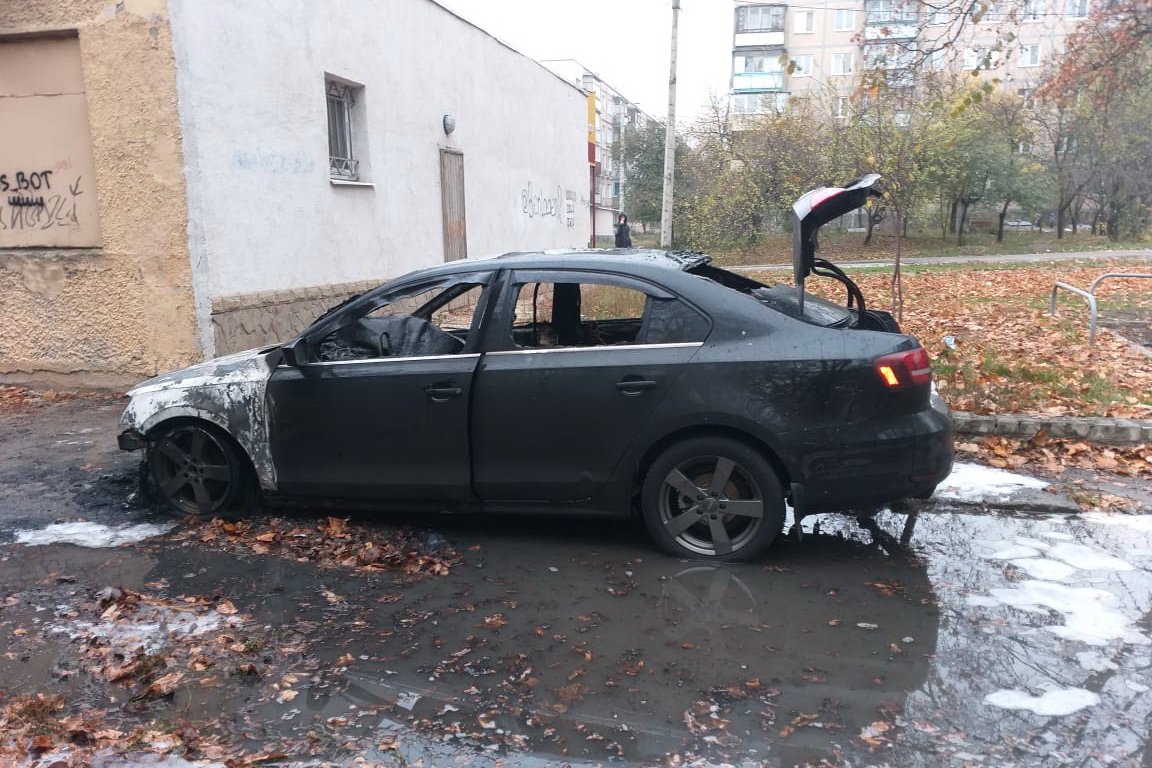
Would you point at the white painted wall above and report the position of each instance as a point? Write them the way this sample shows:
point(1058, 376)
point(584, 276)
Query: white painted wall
point(262, 212)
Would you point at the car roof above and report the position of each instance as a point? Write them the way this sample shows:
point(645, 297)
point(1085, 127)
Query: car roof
point(631, 259)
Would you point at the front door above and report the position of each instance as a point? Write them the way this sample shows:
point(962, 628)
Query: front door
point(571, 381)
point(379, 406)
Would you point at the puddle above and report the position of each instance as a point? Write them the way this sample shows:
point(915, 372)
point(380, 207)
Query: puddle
point(998, 640)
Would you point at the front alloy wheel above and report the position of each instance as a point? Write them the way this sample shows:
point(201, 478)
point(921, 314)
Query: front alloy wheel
point(713, 498)
point(197, 470)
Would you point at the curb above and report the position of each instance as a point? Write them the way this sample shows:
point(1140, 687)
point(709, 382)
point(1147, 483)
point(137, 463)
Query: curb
point(1098, 429)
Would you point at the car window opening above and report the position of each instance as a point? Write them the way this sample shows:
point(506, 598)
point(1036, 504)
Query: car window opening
point(432, 321)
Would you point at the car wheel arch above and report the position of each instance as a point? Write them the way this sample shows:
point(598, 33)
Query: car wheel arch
point(709, 430)
point(172, 417)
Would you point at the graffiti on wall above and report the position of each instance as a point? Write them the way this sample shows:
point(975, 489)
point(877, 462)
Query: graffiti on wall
point(39, 199)
point(540, 202)
point(278, 163)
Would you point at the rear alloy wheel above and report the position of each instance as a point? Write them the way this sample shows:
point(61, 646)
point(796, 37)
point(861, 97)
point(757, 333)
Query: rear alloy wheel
point(713, 498)
point(198, 470)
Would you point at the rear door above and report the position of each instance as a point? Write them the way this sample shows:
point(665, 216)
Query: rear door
point(578, 362)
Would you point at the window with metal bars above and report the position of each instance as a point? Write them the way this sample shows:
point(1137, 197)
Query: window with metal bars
point(341, 162)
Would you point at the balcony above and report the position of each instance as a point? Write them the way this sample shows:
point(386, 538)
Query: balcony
point(893, 31)
point(759, 39)
point(757, 81)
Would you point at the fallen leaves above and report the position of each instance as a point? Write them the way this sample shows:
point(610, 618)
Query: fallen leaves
point(1005, 354)
point(1048, 456)
point(330, 543)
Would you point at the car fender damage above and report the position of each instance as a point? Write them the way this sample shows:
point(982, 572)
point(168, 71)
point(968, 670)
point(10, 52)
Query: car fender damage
point(228, 392)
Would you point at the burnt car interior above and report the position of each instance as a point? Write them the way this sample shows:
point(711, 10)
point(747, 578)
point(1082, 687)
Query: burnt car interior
point(571, 314)
point(428, 322)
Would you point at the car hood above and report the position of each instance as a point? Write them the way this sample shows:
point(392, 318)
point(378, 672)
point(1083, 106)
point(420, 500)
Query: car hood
point(816, 208)
point(249, 365)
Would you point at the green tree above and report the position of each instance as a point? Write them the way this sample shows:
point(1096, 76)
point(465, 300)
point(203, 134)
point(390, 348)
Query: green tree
point(642, 157)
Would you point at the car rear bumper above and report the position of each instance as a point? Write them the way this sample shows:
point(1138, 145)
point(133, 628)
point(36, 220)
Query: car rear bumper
point(862, 465)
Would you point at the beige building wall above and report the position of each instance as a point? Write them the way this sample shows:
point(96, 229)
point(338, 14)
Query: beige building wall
point(95, 284)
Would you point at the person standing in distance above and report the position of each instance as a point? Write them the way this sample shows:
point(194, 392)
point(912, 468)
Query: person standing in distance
point(623, 233)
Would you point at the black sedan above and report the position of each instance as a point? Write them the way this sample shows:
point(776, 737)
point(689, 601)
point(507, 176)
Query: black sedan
point(591, 380)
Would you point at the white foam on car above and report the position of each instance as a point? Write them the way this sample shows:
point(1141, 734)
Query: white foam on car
point(85, 534)
point(974, 484)
point(1056, 703)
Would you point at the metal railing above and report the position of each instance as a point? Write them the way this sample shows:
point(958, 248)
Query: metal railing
point(1090, 296)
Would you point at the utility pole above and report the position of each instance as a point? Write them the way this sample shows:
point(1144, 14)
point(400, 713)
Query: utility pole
point(670, 141)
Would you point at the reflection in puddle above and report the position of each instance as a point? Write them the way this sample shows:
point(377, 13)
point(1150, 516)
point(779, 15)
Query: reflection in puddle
point(1044, 621)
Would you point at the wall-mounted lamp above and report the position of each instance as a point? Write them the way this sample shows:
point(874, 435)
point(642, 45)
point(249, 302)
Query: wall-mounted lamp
point(449, 124)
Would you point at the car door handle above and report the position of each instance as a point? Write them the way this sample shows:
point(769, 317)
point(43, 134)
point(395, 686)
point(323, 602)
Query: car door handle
point(442, 394)
point(635, 386)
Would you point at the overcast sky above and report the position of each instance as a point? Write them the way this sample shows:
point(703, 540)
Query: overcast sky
point(625, 42)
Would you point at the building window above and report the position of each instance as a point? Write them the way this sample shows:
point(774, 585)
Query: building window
point(845, 20)
point(1077, 9)
point(842, 63)
point(1033, 10)
point(758, 63)
point(886, 12)
point(990, 12)
point(1029, 55)
point(980, 58)
point(805, 23)
point(342, 162)
point(802, 66)
point(841, 109)
point(936, 60)
point(759, 103)
point(939, 16)
point(1025, 96)
point(760, 18)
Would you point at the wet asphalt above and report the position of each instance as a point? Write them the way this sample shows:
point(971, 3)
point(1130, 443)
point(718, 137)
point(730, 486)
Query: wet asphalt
point(555, 640)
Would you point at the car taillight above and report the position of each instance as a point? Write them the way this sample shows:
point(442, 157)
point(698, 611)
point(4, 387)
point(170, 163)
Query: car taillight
point(904, 369)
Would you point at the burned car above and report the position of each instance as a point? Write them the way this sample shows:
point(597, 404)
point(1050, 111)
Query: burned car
point(593, 380)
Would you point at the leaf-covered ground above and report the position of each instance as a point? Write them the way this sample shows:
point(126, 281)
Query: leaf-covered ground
point(995, 349)
point(838, 246)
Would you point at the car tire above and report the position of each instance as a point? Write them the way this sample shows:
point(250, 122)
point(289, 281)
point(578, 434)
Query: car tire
point(196, 468)
point(712, 498)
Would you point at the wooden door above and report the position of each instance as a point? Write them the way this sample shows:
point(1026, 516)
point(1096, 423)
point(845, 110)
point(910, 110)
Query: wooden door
point(452, 204)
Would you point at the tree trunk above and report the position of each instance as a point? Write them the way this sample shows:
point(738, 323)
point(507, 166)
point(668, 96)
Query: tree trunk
point(868, 234)
point(1060, 208)
point(1000, 228)
point(960, 224)
point(897, 280)
point(952, 217)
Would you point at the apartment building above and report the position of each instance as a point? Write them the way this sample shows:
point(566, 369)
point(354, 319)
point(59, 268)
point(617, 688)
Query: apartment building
point(610, 113)
point(820, 48)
